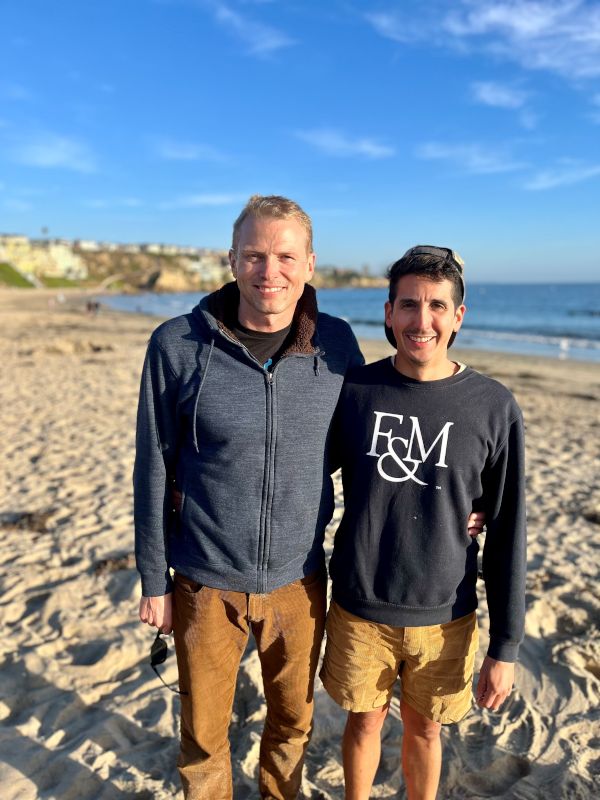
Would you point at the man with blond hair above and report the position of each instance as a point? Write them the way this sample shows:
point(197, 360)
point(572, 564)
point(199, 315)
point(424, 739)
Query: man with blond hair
point(235, 408)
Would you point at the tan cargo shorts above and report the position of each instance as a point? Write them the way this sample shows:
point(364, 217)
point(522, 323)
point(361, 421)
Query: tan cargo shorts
point(435, 664)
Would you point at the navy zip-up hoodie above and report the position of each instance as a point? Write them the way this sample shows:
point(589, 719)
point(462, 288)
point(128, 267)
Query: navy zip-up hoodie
point(246, 448)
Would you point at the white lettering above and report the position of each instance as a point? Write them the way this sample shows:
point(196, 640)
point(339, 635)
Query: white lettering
point(416, 433)
point(407, 464)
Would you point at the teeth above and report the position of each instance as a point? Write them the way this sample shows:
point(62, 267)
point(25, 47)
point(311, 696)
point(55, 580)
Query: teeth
point(270, 289)
point(420, 339)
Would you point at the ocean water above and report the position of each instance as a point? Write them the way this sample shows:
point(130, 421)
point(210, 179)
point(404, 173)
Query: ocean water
point(556, 320)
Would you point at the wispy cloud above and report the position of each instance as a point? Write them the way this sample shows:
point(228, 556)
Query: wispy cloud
point(560, 36)
point(51, 150)
point(503, 96)
point(204, 200)
point(173, 150)
point(336, 143)
point(471, 157)
point(567, 173)
point(498, 95)
point(118, 202)
point(259, 39)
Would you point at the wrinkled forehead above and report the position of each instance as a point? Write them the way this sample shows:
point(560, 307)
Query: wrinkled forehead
point(278, 233)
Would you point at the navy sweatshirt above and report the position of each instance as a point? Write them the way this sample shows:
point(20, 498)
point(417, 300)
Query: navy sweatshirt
point(417, 457)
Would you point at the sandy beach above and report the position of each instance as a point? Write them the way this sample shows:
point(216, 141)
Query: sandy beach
point(82, 715)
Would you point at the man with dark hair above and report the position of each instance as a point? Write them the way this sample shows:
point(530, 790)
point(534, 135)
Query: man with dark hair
point(422, 440)
point(235, 408)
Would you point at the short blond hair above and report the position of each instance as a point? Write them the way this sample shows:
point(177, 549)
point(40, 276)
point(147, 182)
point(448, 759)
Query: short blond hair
point(274, 207)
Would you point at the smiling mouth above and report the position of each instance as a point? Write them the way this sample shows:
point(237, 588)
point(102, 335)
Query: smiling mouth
point(270, 289)
point(419, 339)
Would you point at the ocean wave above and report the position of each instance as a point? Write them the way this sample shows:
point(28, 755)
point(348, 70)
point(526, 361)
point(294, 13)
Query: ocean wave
point(562, 342)
point(527, 334)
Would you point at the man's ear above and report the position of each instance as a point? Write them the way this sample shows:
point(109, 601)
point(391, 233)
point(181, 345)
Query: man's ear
point(232, 261)
point(312, 260)
point(458, 317)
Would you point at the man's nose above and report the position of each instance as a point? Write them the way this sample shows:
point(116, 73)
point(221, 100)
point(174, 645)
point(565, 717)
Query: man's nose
point(423, 317)
point(269, 266)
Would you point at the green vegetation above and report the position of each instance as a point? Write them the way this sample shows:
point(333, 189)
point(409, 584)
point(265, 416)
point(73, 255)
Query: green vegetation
point(59, 283)
point(10, 277)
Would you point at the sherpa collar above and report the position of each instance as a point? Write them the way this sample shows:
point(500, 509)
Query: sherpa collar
point(223, 305)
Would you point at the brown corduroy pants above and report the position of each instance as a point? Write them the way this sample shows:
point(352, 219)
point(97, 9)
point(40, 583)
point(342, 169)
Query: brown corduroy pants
point(211, 628)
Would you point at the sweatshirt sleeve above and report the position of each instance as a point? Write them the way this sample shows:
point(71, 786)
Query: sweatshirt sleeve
point(356, 357)
point(505, 550)
point(156, 442)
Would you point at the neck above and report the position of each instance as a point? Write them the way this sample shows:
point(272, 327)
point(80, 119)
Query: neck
point(264, 323)
point(426, 372)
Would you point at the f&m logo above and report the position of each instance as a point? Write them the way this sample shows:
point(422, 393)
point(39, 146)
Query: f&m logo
point(397, 455)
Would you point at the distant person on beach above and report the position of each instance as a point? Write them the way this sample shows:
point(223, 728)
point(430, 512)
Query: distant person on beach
point(235, 409)
point(422, 440)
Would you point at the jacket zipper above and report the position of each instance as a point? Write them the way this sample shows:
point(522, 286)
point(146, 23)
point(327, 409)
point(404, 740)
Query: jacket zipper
point(264, 536)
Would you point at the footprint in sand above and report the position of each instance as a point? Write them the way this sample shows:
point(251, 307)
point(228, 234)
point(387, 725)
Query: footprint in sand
point(498, 777)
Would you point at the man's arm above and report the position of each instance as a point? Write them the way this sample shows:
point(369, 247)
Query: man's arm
point(156, 441)
point(504, 555)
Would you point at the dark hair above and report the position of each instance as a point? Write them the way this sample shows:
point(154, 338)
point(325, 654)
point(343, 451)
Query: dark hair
point(435, 268)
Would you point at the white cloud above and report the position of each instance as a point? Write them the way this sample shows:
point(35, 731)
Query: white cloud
point(470, 157)
point(259, 39)
point(498, 95)
point(172, 150)
point(118, 202)
point(565, 174)
point(204, 200)
point(51, 150)
point(560, 36)
point(335, 143)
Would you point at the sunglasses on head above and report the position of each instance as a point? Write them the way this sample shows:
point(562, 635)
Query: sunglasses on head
point(451, 256)
point(158, 655)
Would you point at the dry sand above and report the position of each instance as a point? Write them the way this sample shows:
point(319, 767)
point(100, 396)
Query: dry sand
point(81, 713)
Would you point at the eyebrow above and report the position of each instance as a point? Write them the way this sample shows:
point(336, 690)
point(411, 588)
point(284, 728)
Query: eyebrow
point(416, 300)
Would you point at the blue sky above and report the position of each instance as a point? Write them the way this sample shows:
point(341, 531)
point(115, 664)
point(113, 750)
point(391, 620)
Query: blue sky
point(470, 124)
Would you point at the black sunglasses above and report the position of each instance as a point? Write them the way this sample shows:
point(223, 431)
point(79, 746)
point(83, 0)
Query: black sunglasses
point(158, 655)
point(451, 256)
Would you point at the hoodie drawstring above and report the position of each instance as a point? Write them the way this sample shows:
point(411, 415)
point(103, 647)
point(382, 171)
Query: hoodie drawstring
point(316, 366)
point(194, 424)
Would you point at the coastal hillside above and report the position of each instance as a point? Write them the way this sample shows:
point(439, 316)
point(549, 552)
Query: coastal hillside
point(58, 263)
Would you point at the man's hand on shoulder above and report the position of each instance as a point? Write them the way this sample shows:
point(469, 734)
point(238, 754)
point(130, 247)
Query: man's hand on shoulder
point(475, 523)
point(158, 612)
point(495, 683)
